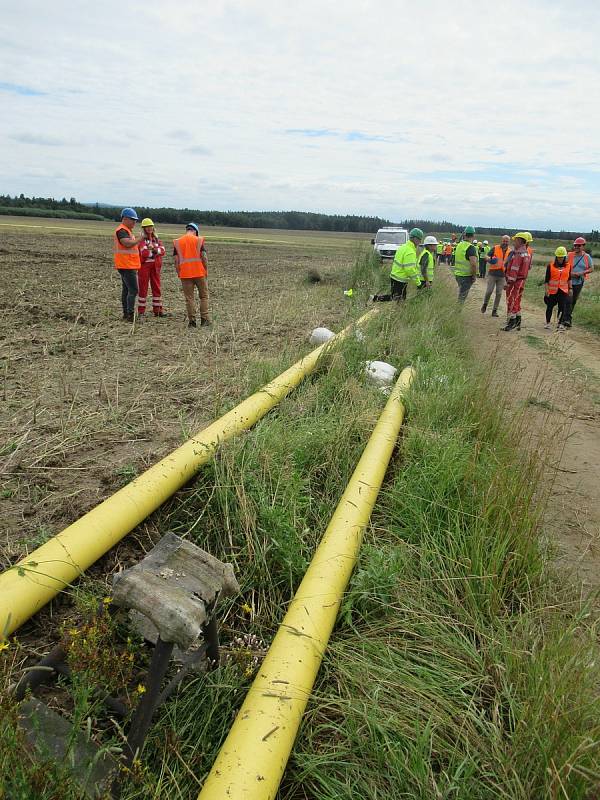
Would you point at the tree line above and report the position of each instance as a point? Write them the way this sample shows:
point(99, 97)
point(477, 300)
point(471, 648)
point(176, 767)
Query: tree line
point(288, 220)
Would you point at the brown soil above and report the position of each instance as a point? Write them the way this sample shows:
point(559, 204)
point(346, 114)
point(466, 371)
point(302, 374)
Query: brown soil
point(87, 401)
point(554, 381)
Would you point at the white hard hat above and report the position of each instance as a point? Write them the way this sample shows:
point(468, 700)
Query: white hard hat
point(485, 241)
point(430, 240)
point(475, 241)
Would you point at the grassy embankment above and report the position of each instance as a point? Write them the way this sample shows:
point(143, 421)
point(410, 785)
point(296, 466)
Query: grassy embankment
point(460, 667)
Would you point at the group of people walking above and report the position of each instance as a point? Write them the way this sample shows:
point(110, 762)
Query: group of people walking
point(504, 266)
point(139, 261)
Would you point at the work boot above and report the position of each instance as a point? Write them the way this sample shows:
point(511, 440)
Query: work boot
point(495, 313)
point(518, 323)
point(510, 325)
point(204, 322)
point(484, 308)
point(192, 324)
point(128, 317)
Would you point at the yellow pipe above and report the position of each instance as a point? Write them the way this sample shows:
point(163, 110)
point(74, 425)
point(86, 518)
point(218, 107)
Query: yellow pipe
point(38, 577)
point(252, 760)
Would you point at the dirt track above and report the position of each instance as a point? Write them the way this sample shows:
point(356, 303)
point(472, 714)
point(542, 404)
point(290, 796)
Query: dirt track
point(554, 381)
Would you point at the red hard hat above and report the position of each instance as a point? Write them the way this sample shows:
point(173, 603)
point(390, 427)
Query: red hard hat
point(579, 240)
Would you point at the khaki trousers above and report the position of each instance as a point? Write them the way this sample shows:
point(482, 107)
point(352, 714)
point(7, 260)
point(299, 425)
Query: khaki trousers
point(187, 284)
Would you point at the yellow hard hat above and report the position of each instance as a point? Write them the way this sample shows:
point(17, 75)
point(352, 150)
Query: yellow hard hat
point(147, 222)
point(561, 252)
point(527, 237)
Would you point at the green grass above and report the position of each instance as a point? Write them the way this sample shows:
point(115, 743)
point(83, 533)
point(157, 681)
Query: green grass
point(460, 666)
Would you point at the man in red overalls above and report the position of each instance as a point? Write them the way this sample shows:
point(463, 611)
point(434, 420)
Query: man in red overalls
point(516, 271)
point(151, 256)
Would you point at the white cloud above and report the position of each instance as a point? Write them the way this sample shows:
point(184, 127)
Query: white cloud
point(422, 110)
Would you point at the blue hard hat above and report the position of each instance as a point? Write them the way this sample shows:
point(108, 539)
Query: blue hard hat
point(192, 226)
point(129, 213)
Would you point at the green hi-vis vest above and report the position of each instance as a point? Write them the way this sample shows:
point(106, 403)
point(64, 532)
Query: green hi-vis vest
point(440, 248)
point(462, 265)
point(404, 265)
point(427, 255)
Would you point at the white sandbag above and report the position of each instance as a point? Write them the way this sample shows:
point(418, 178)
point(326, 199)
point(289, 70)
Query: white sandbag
point(321, 335)
point(380, 373)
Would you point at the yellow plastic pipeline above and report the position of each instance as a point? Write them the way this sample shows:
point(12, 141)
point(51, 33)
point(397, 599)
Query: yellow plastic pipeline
point(37, 578)
point(251, 762)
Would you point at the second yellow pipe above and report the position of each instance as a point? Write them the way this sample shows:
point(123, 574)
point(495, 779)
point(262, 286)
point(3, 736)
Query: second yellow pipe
point(251, 762)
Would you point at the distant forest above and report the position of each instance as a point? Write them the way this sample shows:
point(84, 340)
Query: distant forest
point(288, 220)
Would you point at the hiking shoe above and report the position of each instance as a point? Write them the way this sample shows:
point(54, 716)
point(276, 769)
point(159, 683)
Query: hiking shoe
point(484, 308)
point(518, 323)
point(128, 318)
point(510, 325)
point(495, 313)
point(561, 328)
point(547, 326)
point(192, 324)
point(204, 323)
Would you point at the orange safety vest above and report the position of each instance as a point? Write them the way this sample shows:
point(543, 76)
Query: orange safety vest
point(498, 253)
point(188, 248)
point(586, 261)
point(125, 257)
point(559, 278)
point(448, 250)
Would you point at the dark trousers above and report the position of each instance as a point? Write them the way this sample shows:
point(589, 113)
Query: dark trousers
point(561, 300)
point(576, 292)
point(482, 267)
point(129, 280)
point(397, 292)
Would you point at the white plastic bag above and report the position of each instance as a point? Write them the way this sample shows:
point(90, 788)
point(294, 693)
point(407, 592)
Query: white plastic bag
point(380, 373)
point(321, 335)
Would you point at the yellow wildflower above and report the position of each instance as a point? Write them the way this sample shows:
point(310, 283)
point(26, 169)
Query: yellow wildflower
point(246, 609)
point(140, 688)
point(3, 646)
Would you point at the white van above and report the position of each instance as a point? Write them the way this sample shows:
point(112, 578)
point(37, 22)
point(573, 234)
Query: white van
point(388, 240)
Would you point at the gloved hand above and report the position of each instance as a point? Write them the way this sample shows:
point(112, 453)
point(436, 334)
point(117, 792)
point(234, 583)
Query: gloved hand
point(493, 260)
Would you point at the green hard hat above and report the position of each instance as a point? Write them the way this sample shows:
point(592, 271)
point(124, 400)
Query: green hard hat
point(416, 233)
point(469, 231)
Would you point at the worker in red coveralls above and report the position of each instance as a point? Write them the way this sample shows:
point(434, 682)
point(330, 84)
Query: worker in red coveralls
point(151, 256)
point(516, 271)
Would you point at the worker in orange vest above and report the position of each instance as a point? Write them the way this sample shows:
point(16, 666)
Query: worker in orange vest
point(581, 267)
point(496, 259)
point(127, 261)
point(191, 263)
point(558, 289)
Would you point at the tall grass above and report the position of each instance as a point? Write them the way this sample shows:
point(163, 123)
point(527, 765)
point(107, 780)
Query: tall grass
point(460, 666)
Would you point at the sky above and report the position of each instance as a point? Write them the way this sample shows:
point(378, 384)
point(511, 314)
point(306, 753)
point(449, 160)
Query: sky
point(478, 113)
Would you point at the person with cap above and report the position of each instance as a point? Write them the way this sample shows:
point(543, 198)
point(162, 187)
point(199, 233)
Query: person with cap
point(482, 254)
point(151, 255)
point(127, 261)
point(516, 271)
point(404, 268)
point(191, 263)
point(581, 267)
point(465, 263)
point(496, 258)
point(427, 261)
point(558, 289)
point(453, 245)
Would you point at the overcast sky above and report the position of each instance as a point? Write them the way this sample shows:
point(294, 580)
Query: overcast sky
point(473, 112)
